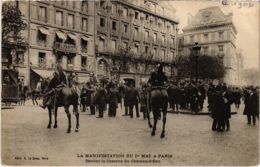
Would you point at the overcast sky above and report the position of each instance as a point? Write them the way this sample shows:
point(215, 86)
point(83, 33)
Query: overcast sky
point(245, 19)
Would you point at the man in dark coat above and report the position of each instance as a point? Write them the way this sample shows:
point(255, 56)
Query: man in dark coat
point(89, 94)
point(228, 100)
point(126, 105)
point(132, 98)
point(194, 98)
point(201, 95)
point(251, 105)
point(100, 100)
point(218, 110)
point(114, 99)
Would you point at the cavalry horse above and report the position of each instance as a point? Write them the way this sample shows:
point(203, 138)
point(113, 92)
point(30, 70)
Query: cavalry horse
point(63, 97)
point(158, 101)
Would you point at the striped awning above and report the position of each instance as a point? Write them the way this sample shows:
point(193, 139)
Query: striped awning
point(44, 31)
point(72, 37)
point(61, 35)
point(44, 73)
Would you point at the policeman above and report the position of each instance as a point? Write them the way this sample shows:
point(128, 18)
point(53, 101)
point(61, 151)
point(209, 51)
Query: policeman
point(158, 78)
point(59, 80)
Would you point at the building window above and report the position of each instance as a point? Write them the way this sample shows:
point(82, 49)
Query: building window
point(146, 35)
point(163, 54)
point(42, 14)
point(102, 4)
point(125, 12)
point(42, 59)
point(84, 24)
point(163, 39)
point(113, 45)
point(59, 20)
point(213, 36)
point(136, 48)
point(42, 38)
point(101, 44)
point(206, 36)
point(136, 15)
point(70, 60)
point(136, 30)
point(84, 62)
point(155, 51)
point(146, 49)
point(102, 22)
point(221, 48)
point(125, 45)
point(84, 6)
point(206, 49)
point(221, 35)
point(70, 21)
point(113, 25)
point(84, 44)
point(172, 41)
point(172, 55)
point(146, 17)
point(113, 8)
point(155, 37)
point(192, 39)
point(125, 28)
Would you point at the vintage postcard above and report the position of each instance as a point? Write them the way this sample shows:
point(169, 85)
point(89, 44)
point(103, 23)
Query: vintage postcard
point(130, 83)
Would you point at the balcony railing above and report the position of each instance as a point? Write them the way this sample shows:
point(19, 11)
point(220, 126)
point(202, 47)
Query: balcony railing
point(42, 65)
point(64, 47)
point(84, 68)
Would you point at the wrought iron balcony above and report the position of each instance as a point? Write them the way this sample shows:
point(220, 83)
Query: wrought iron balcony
point(64, 47)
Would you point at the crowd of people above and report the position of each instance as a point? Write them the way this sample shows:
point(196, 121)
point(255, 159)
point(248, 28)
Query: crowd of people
point(186, 95)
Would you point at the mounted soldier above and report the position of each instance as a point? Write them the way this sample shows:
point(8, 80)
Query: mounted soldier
point(158, 97)
point(59, 80)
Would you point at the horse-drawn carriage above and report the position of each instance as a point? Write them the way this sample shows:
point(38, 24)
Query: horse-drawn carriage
point(10, 86)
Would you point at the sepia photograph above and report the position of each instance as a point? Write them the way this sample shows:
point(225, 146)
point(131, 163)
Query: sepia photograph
point(130, 82)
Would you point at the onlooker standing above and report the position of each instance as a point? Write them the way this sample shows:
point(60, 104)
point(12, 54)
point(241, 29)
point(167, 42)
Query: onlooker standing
point(143, 101)
point(132, 98)
point(114, 99)
point(101, 100)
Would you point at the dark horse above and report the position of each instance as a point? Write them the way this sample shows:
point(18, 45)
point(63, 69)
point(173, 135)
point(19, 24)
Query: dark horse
point(159, 103)
point(63, 97)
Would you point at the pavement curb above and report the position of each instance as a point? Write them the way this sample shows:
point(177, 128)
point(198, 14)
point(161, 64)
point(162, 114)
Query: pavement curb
point(190, 113)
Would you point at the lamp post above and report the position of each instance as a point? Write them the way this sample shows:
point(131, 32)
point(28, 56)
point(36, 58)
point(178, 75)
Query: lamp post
point(195, 53)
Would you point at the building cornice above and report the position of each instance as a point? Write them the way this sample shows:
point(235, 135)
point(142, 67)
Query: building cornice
point(209, 43)
point(208, 26)
point(147, 11)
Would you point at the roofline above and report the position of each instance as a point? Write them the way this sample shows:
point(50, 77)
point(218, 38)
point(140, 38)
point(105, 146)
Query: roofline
point(147, 11)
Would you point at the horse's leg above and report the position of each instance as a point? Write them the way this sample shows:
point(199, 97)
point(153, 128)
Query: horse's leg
point(36, 99)
point(33, 99)
point(148, 118)
point(76, 112)
point(164, 122)
point(55, 117)
point(155, 115)
point(49, 125)
point(69, 118)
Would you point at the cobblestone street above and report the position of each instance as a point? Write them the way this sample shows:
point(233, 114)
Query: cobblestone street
point(189, 139)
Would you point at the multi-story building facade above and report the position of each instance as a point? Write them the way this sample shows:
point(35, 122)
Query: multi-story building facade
point(216, 34)
point(132, 37)
point(57, 32)
point(121, 37)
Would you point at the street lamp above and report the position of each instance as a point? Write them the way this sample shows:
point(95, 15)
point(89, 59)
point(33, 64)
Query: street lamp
point(195, 53)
